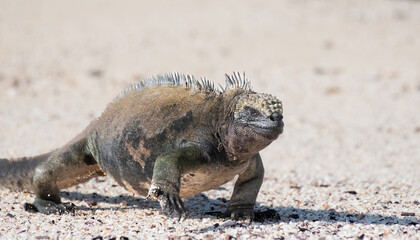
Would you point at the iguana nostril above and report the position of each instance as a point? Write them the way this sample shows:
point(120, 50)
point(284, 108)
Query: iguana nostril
point(276, 117)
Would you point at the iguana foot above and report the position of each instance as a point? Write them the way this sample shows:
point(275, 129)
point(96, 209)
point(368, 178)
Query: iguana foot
point(240, 213)
point(246, 213)
point(169, 202)
point(48, 207)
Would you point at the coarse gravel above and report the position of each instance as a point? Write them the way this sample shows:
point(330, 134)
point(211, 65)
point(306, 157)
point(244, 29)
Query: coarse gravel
point(346, 167)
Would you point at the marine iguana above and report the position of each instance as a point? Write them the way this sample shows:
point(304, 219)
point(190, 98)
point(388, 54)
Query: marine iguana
point(167, 138)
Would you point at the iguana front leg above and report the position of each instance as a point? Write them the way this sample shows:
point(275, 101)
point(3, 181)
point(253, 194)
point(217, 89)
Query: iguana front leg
point(167, 173)
point(246, 189)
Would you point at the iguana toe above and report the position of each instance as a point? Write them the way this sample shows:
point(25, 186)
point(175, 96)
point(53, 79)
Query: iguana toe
point(236, 212)
point(247, 214)
point(176, 205)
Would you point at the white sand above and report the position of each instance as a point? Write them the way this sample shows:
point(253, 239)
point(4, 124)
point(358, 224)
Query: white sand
point(348, 73)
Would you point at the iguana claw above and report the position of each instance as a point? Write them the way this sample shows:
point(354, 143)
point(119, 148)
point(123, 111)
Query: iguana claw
point(169, 202)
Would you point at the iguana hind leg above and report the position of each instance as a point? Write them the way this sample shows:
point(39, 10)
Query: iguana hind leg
point(68, 166)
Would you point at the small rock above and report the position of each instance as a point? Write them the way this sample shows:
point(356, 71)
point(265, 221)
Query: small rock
point(42, 237)
point(96, 73)
point(319, 70)
point(229, 237)
point(91, 203)
point(351, 192)
point(408, 214)
point(332, 90)
point(328, 45)
point(208, 237)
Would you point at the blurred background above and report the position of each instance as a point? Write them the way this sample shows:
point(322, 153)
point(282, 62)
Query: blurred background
point(348, 72)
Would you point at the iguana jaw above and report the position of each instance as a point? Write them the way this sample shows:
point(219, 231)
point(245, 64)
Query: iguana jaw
point(242, 141)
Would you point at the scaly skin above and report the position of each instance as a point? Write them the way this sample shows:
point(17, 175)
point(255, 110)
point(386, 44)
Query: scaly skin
point(167, 138)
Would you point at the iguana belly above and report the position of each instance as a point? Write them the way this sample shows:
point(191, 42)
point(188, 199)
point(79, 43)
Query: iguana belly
point(207, 178)
point(192, 183)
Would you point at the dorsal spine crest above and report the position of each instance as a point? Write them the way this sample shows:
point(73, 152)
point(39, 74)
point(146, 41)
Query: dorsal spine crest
point(235, 81)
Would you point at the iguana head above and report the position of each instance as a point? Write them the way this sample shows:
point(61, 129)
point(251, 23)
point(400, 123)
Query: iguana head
point(259, 113)
point(254, 121)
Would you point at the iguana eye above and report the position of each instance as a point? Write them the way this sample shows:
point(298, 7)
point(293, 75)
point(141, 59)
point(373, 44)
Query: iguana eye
point(249, 112)
point(253, 112)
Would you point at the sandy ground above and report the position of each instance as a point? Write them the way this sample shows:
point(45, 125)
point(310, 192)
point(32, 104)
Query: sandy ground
point(348, 73)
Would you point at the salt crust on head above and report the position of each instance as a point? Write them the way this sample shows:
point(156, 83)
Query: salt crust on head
point(267, 104)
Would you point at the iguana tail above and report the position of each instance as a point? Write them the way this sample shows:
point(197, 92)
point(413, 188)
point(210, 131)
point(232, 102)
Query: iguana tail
point(16, 174)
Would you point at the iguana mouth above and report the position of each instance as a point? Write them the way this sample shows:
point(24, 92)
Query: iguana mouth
point(267, 127)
